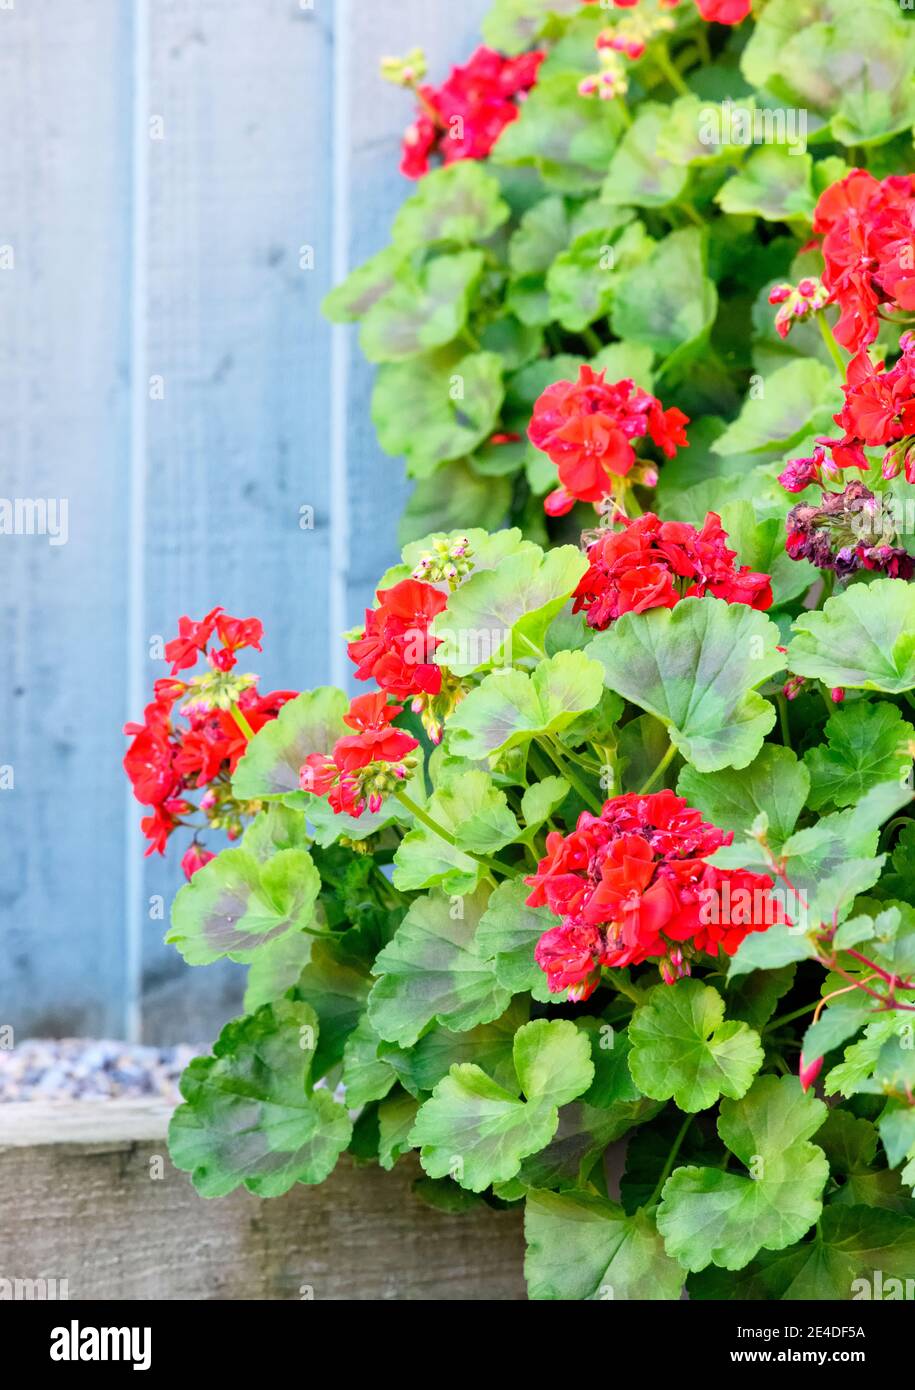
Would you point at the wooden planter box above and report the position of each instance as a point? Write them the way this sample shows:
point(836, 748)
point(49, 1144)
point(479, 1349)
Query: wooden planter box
point(88, 1196)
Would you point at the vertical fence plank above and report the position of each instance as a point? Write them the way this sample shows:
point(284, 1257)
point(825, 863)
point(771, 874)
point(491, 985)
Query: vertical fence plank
point(238, 241)
point(376, 116)
point(168, 191)
point(64, 350)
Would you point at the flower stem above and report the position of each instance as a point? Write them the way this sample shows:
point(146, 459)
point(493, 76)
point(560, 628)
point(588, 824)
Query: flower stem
point(431, 824)
point(592, 341)
point(623, 985)
point(831, 344)
point(789, 1018)
point(572, 777)
point(783, 724)
point(670, 1161)
point(662, 58)
point(659, 770)
point(241, 721)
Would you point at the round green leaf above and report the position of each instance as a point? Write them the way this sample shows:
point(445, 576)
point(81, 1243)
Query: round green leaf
point(695, 667)
point(433, 969)
point(683, 1049)
point(864, 638)
point(708, 1216)
point(236, 904)
point(250, 1116)
point(581, 1246)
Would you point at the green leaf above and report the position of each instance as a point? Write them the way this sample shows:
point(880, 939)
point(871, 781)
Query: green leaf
point(777, 946)
point(509, 707)
point(639, 175)
point(866, 744)
point(476, 814)
point(396, 1117)
point(366, 1076)
point(454, 406)
point(460, 203)
point(773, 785)
point(567, 139)
point(708, 1216)
point(275, 968)
point(311, 723)
point(668, 303)
point(433, 970)
point(236, 904)
point(760, 544)
point(795, 401)
point(423, 309)
point(542, 234)
point(496, 615)
point(822, 57)
point(251, 1117)
point(453, 492)
point(683, 1049)
point(507, 935)
point(478, 1132)
point(754, 997)
point(581, 1246)
point(857, 1253)
point(541, 799)
point(489, 1045)
point(335, 982)
point(775, 183)
point(278, 827)
point(512, 26)
point(863, 638)
point(581, 281)
point(695, 668)
point(350, 301)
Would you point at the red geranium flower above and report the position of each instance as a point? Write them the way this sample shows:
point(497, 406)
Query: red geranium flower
point(464, 117)
point(867, 229)
point(397, 650)
point(375, 740)
point(651, 563)
point(633, 884)
point(586, 427)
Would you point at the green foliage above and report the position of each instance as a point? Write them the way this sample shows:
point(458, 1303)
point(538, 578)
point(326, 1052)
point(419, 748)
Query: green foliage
point(401, 954)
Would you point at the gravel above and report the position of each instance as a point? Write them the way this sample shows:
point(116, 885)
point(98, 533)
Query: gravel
point(86, 1069)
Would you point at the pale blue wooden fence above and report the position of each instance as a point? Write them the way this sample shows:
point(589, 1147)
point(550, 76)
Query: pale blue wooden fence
point(164, 168)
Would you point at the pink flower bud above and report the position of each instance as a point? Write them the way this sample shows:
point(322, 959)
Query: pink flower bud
point(837, 695)
point(194, 858)
point(809, 1071)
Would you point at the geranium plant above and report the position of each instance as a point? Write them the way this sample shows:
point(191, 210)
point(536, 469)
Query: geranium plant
point(622, 186)
point(574, 871)
point(616, 845)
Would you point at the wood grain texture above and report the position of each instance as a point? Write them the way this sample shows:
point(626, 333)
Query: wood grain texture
point(64, 370)
point(164, 365)
point(80, 1204)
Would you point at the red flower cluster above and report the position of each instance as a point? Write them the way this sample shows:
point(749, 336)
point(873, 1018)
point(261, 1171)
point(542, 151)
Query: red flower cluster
point(653, 564)
point(396, 651)
point(364, 766)
point(717, 11)
point(464, 117)
point(868, 228)
point(166, 763)
point(234, 634)
point(879, 410)
point(586, 427)
point(632, 884)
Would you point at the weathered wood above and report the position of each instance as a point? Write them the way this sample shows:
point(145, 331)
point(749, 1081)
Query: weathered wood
point(81, 1201)
point(64, 349)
